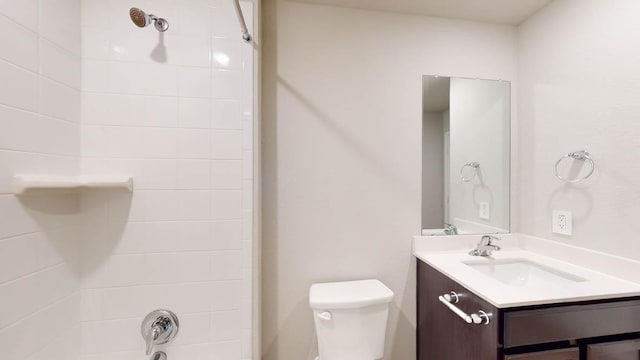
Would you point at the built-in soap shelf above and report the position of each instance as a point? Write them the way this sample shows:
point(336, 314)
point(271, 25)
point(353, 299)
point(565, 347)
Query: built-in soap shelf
point(24, 183)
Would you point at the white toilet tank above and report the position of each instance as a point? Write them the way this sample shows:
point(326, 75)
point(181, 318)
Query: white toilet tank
point(351, 319)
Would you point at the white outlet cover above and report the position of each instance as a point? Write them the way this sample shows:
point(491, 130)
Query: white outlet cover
point(561, 222)
point(484, 212)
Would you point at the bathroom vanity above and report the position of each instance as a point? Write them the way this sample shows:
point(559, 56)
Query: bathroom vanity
point(519, 304)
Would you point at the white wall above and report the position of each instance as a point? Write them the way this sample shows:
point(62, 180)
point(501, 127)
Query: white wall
point(480, 132)
point(342, 153)
point(39, 133)
point(580, 84)
point(432, 170)
point(175, 110)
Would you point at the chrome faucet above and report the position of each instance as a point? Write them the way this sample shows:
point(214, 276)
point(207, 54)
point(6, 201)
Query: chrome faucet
point(485, 246)
point(159, 327)
point(450, 229)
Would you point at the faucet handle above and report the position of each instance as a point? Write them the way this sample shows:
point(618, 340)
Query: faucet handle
point(486, 239)
point(159, 327)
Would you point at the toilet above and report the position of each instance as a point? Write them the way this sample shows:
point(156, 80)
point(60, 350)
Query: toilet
point(350, 319)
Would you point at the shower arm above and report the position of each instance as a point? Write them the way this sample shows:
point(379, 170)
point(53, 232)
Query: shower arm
point(243, 25)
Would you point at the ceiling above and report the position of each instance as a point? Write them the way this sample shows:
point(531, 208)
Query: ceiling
point(511, 12)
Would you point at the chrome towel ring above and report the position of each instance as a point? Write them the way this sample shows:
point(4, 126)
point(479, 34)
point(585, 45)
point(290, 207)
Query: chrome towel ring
point(581, 155)
point(475, 165)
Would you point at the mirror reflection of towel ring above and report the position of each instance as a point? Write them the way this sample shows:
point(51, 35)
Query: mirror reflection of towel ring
point(475, 165)
point(581, 155)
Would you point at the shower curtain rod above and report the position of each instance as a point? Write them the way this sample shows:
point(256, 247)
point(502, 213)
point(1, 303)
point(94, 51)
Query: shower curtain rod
point(243, 25)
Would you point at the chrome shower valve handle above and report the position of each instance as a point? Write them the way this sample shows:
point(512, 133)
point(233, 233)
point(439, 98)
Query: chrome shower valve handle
point(159, 327)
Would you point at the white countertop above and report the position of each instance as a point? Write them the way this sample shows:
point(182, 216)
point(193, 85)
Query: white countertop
point(605, 276)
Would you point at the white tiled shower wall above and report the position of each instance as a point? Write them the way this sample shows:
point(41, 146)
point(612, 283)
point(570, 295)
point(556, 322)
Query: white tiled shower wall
point(175, 110)
point(179, 120)
point(39, 132)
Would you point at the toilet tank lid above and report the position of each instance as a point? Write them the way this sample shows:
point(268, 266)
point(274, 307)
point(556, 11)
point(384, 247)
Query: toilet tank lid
point(349, 294)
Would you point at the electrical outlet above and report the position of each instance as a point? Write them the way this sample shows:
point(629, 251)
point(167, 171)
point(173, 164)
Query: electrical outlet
point(484, 212)
point(562, 222)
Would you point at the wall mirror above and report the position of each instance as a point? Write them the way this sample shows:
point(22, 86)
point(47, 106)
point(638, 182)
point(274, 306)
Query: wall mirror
point(465, 155)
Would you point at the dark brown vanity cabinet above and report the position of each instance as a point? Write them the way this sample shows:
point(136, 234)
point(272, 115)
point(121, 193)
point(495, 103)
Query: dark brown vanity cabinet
point(619, 350)
point(562, 354)
point(596, 330)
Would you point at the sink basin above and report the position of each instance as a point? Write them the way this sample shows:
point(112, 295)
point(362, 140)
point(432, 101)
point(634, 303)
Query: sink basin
point(521, 272)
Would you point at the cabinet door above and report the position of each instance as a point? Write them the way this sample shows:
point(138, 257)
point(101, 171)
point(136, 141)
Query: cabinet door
point(620, 350)
point(564, 354)
point(475, 341)
point(435, 323)
point(442, 335)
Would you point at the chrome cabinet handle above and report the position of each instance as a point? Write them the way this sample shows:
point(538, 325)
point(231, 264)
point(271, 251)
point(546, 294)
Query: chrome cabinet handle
point(478, 318)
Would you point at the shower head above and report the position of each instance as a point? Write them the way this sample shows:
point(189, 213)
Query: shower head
point(142, 19)
point(139, 17)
